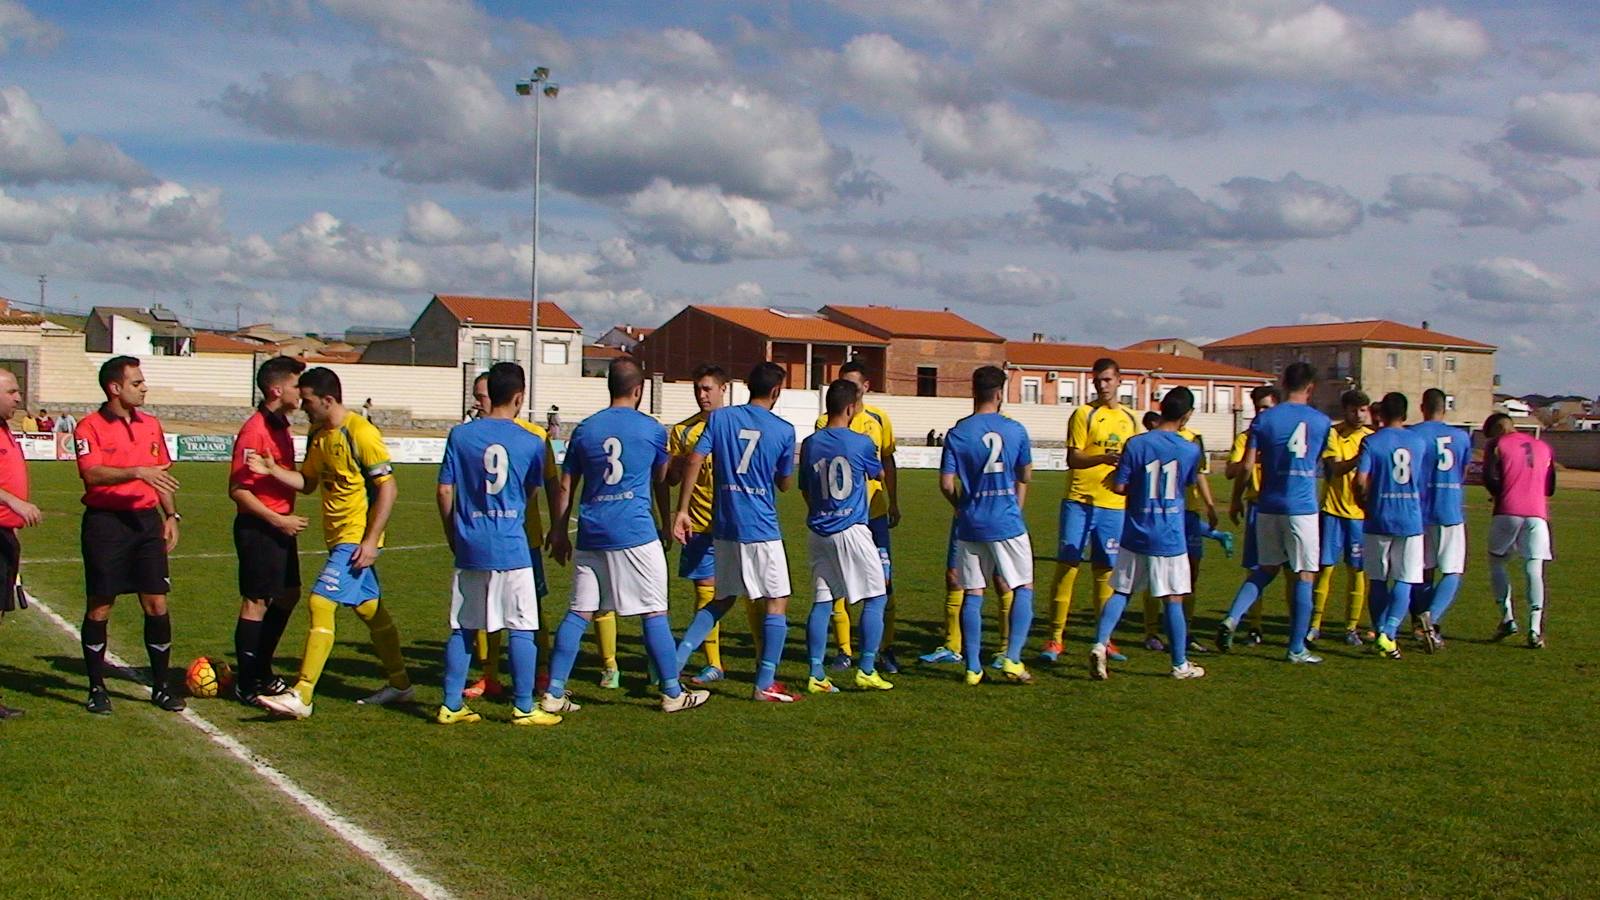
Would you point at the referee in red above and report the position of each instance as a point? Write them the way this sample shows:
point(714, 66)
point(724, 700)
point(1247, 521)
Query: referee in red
point(15, 510)
point(129, 526)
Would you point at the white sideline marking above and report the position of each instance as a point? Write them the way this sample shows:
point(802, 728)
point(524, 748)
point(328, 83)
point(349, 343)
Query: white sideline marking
point(229, 555)
point(365, 842)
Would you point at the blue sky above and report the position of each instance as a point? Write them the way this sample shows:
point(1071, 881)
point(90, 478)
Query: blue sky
point(1100, 172)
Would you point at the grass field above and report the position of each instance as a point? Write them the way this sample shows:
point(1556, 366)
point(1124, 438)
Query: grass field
point(1472, 772)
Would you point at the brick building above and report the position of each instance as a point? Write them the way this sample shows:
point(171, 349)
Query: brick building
point(1046, 373)
point(929, 353)
point(1377, 356)
point(810, 347)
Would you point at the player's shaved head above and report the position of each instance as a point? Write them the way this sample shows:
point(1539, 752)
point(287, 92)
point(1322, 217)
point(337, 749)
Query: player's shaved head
point(623, 377)
point(1176, 404)
point(987, 383)
point(765, 378)
point(505, 380)
point(1433, 401)
point(842, 393)
point(1298, 376)
point(1497, 424)
point(1393, 407)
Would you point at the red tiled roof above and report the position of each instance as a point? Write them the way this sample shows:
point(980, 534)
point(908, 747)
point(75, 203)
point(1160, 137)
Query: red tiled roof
point(211, 342)
point(601, 351)
point(1153, 345)
point(779, 327)
point(1028, 354)
point(916, 323)
point(1372, 331)
point(507, 312)
point(332, 356)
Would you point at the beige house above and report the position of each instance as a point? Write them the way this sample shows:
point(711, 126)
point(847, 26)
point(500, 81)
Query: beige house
point(457, 330)
point(1376, 356)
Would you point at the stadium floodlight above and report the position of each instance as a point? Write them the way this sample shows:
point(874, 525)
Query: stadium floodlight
point(526, 88)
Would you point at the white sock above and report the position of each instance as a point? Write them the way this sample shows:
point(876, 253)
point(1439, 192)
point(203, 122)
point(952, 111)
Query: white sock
point(1535, 570)
point(1500, 581)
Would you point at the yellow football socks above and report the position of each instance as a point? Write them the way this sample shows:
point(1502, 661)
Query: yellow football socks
point(703, 595)
point(1005, 617)
point(385, 640)
point(841, 625)
point(1061, 604)
point(1319, 595)
point(952, 619)
point(605, 635)
point(489, 645)
point(756, 614)
point(1102, 590)
point(1355, 600)
point(319, 643)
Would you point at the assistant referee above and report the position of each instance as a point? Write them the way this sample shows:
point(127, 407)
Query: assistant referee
point(129, 526)
point(15, 510)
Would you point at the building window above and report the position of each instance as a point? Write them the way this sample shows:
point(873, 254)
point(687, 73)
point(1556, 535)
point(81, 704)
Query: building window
point(508, 350)
point(1449, 402)
point(1030, 390)
point(1067, 391)
point(480, 353)
point(1125, 393)
point(927, 381)
point(1449, 363)
point(1427, 362)
point(553, 353)
point(1225, 400)
point(1341, 365)
point(1391, 360)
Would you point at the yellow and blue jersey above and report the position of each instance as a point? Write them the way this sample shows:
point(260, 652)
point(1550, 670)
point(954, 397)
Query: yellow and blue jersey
point(1252, 487)
point(1339, 496)
point(681, 441)
point(551, 473)
point(348, 462)
point(1197, 503)
point(1095, 429)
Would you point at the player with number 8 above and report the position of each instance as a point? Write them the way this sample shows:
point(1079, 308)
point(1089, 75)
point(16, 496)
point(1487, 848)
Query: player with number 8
point(1389, 483)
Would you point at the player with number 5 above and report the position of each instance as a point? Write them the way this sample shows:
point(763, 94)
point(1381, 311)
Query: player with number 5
point(1287, 440)
point(1390, 479)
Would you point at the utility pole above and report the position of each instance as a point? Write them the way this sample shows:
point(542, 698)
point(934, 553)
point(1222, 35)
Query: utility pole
point(42, 280)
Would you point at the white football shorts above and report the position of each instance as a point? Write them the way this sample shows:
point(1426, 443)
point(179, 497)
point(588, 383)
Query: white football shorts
point(632, 581)
point(1386, 557)
point(1526, 536)
point(1163, 576)
point(1285, 540)
point(846, 564)
point(493, 600)
point(1009, 561)
point(1444, 547)
point(759, 570)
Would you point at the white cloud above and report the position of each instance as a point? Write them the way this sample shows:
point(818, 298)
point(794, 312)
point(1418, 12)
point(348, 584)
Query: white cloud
point(166, 212)
point(21, 28)
point(430, 224)
point(1503, 279)
point(1471, 204)
point(443, 29)
point(24, 221)
point(322, 248)
point(699, 224)
point(33, 151)
point(335, 305)
point(1009, 285)
point(1556, 123)
point(1193, 296)
point(846, 260)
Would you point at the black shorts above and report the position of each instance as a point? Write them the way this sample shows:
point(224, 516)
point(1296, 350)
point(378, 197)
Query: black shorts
point(124, 552)
point(10, 560)
point(269, 560)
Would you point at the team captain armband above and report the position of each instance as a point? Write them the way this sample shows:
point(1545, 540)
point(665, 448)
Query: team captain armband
point(378, 470)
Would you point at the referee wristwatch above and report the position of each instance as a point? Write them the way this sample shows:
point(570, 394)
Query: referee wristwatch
point(175, 516)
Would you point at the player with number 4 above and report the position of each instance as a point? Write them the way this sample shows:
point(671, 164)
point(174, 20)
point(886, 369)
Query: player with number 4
point(1287, 440)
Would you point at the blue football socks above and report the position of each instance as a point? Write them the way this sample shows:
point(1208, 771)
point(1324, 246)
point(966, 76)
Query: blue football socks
point(1300, 614)
point(1444, 594)
point(872, 631)
point(659, 647)
point(1249, 593)
point(565, 652)
point(774, 631)
point(1177, 633)
point(524, 653)
point(700, 626)
point(456, 660)
point(817, 625)
point(1109, 617)
point(1021, 621)
point(972, 630)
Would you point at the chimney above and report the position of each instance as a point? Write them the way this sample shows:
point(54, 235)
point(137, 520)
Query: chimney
point(1424, 324)
point(1038, 337)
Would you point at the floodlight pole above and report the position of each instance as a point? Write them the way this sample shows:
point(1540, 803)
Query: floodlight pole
point(537, 85)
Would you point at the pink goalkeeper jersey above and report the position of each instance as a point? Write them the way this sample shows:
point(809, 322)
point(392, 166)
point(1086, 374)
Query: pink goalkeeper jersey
point(1522, 465)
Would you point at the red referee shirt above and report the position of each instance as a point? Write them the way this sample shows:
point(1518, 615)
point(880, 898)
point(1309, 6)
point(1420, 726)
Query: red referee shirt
point(13, 476)
point(105, 439)
point(264, 433)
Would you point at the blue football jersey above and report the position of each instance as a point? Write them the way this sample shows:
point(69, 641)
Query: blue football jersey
point(751, 448)
point(495, 465)
point(1289, 439)
point(1449, 448)
point(1392, 459)
point(615, 452)
point(1157, 468)
point(835, 465)
point(987, 452)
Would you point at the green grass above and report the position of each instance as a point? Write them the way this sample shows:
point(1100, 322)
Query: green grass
point(1470, 772)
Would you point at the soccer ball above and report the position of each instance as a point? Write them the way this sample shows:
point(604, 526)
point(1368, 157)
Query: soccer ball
point(208, 677)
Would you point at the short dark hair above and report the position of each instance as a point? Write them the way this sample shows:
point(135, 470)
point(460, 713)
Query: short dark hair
point(482, 376)
point(1432, 401)
point(1394, 407)
point(1102, 364)
point(1353, 398)
point(841, 393)
point(1177, 403)
point(278, 370)
point(1150, 420)
point(853, 367)
point(113, 370)
point(987, 382)
point(709, 370)
point(506, 380)
point(1297, 376)
point(623, 375)
point(765, 378)
point(1262, 391)
point(1497, 424)
point(322, 382)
